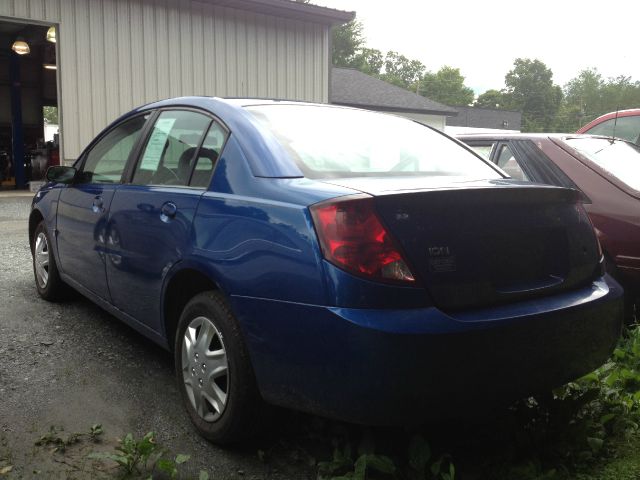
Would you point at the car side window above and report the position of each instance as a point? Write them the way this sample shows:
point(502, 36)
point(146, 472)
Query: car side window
point(168, 155)
point(627, 128)
point(507, 161)
point(107, 159)
point(483, 149)
point(208, 156)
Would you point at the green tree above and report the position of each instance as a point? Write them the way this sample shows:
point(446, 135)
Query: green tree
point(530, 89)
point(50, 115)
point(402, 71)
point(446, 86)
point(369, 61)
point(620, 93)
point(490, 99)
point(588, 95)
point(583, 100)
point(347, 41)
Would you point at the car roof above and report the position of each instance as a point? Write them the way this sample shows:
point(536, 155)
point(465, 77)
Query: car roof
point(631, 112)
point(250, 102)
point(530, 136)
point(520, 136)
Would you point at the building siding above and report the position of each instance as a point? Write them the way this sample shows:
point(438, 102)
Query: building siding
point(114, 55)
point(435, 121)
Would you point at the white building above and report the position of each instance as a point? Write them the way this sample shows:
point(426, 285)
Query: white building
point(114, 55)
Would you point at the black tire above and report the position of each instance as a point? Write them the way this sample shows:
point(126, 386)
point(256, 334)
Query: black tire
point(51, 288)
point(240, 415)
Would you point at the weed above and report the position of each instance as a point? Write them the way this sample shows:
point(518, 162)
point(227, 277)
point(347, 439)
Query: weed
point(417, 465)
point(131, 453)
point(135, 457)
point(61, 443)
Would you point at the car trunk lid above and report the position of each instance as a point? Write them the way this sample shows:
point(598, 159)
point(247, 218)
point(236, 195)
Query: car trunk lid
point(476, 244)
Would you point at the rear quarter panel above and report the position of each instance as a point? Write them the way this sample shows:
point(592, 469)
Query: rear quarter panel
point(259, 247)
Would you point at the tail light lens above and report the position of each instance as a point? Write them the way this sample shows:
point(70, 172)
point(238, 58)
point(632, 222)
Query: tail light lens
point(353, 238)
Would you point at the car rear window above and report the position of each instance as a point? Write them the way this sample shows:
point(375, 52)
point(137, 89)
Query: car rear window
point(621, 159)
point(333, 142)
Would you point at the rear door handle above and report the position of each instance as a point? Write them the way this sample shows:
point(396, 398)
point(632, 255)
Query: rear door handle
point(168, 211)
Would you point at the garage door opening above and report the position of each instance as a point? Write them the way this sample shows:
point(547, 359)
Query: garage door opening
point(29, 135)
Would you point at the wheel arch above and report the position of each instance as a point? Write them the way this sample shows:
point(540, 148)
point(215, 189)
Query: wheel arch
point(35, 217)
point(182, 286)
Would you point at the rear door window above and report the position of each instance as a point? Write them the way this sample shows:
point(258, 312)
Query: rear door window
point(208, 156)
point(168, 156)
point(483, 149)
point(506, 160)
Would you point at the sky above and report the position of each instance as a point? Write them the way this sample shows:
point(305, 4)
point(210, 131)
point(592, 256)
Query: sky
point(483, 38)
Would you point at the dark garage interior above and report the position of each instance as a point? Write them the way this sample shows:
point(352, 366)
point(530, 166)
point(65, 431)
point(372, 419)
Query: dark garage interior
point(28, 94)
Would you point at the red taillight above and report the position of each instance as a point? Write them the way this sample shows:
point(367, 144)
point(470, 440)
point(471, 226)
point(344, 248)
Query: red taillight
point(353, 238)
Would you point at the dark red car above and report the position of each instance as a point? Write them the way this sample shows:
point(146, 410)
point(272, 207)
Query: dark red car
point(606, 171)
point(623, 124)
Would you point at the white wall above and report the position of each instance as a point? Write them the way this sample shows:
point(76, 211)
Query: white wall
point(452, 130)
point(114, 55)
point(435, 121)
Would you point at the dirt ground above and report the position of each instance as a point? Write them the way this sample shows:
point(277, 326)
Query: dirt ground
point(71, 365)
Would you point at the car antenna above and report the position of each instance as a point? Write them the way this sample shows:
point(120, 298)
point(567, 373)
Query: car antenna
point(615, 122)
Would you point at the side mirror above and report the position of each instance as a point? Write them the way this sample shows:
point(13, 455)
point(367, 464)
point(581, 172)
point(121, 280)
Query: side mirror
point(61, 174)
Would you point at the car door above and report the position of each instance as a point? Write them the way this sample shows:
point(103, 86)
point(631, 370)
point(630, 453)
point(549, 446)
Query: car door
point(149, 228)
point(83, 206)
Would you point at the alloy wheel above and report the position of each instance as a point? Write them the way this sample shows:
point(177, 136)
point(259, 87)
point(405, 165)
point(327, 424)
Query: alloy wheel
point(41, 260)
point(205, 369)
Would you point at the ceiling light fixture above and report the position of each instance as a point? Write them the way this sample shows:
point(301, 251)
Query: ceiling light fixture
point(20, 47)
point(51, 34)
point(50, 66)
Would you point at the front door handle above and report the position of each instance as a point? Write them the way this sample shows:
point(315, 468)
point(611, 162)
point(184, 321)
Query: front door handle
point(97, 205)
point(168, 211)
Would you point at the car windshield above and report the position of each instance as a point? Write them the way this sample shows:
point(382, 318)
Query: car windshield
point(331, 142)
point(620, 158)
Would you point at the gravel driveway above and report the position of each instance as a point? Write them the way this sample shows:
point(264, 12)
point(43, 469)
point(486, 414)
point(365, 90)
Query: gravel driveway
point(72, 365)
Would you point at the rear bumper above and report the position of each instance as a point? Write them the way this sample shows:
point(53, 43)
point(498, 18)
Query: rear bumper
point(393, 367)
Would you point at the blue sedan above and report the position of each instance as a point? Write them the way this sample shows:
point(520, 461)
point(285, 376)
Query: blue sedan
point(351, 264)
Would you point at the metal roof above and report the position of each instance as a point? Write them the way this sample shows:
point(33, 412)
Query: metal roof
point(290, 9)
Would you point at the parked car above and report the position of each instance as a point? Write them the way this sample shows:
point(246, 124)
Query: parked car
point(624, 124)
point(606, 172)
point(347, 263)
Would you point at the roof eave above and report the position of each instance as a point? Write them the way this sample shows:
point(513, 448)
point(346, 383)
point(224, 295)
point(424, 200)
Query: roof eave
point(290, 9)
